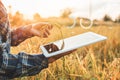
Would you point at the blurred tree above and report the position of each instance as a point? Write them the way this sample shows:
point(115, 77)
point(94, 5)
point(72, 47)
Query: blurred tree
point(66, 12)
point(107, 18)
point(117, 20)
point(17, 19)
point(36, 17)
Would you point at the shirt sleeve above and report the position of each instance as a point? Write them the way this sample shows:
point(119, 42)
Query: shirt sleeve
point(19, 65)
point(22, 64)
point(25, 65)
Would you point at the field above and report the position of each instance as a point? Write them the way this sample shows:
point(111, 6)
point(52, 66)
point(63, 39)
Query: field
point(100, 61)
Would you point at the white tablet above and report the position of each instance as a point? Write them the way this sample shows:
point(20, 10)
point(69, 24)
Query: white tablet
point(71, 43)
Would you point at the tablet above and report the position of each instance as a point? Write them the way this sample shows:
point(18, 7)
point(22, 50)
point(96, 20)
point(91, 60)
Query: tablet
point(71, 43)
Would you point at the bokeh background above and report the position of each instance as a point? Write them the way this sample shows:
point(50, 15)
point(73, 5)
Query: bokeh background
point(100, 61)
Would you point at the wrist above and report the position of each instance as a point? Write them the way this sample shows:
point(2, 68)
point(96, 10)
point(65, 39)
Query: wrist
point(27, 31)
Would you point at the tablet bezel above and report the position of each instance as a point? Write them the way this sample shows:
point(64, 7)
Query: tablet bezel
point(47, 54)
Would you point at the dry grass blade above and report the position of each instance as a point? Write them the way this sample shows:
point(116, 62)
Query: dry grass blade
point(59, 27)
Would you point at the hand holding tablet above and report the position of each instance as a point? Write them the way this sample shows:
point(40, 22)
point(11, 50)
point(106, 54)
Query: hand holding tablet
point(71, 43)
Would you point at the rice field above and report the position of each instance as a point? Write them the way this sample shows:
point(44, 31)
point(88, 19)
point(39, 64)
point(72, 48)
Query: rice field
point(99, 61)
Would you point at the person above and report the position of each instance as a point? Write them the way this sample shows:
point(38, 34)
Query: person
point(22, 64)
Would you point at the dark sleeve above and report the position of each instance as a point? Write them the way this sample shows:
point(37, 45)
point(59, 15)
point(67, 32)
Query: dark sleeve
point(23, 64)
point(29, 65)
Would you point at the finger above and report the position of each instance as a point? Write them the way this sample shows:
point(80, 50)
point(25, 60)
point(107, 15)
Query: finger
point(69, 52)
point(35, 32)
point(47, 31)
point(45, 35)
point(50, 26)
point(72, 51)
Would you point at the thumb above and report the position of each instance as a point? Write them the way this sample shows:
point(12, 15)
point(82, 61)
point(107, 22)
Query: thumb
point(35, 32)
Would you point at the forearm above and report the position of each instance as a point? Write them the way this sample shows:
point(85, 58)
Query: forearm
point(20, 34)
point(29, 65)
point(23, 64)
point(54, 58)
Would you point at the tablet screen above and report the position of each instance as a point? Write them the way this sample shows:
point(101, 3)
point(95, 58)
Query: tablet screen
point(52, 48)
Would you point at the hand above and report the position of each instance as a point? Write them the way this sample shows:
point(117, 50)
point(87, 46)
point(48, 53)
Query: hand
point(41, 29)
point(54, 58)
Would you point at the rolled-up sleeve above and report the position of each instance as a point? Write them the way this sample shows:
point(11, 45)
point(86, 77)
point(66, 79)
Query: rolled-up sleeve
point(23, 64)
point(28, 65)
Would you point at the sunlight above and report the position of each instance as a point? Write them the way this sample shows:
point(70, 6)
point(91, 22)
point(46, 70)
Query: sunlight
point(47, 8)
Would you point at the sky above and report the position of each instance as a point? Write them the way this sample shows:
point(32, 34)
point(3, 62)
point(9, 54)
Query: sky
point(81, 8)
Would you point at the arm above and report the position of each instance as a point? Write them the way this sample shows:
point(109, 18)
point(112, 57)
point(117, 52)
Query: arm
point(41, 29)
point(19, 65)
point(20, 34)
point(54, 58)
point(23, 64)
point(27, 65)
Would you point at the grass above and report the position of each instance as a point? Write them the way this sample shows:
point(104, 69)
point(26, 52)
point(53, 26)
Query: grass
point(100, 61)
